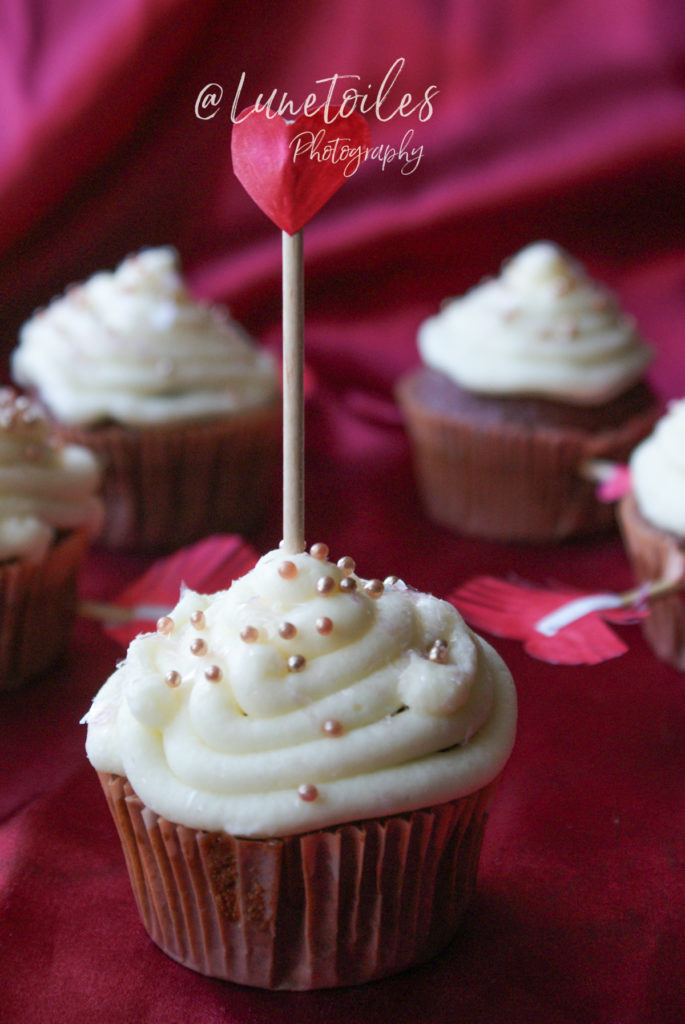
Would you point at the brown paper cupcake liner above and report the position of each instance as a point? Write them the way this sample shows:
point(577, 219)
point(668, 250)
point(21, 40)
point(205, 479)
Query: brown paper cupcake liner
point(339, 906)
point(165, 487)
point(506, 482)
point(38, 608)
point(655, 555)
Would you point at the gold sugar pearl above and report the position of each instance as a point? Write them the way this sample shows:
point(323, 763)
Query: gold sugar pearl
point(173, 679)
point(287, 570)
point(438, 652)
point(324, 625)
point(332, 727)
point(165, 625)
point(346, 564)
point(325, 585)
point(198, 619)
point(319, 550)
point(348, 584)
point(249, 634)
point(307, 792)
point(213, 674)
point(374, 588)
point(296, 662)
point(287, 630)
point(198, 647)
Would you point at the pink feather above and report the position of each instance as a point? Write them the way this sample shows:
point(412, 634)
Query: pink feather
point(515, 610)
point(209, 565)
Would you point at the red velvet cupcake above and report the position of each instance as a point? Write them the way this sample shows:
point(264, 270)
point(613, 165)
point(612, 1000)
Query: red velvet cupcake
point(300, 770)
point(652, 521)
point(526, 379)
point(181, 408)
point(48, 515)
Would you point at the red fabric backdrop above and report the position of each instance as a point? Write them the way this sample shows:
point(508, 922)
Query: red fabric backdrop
point(558, 119)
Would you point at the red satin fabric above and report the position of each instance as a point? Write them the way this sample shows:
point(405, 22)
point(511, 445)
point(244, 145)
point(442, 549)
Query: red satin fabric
point(562, 120)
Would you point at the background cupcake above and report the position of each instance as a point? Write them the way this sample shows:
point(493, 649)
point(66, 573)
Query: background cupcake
point(652, 520)
point(182, 409)
point(300, 769)
point(48, 514)
point(524, 379)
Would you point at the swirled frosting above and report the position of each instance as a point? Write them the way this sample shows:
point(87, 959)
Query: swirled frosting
point(45, 486)
point(303, 696)
point(657, 472)
point(134, 347)
point(542, 329)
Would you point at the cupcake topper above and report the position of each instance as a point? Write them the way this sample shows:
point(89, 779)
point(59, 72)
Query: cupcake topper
point(290, 169)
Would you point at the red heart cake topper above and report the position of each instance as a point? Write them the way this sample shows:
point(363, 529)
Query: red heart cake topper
point(291, 168)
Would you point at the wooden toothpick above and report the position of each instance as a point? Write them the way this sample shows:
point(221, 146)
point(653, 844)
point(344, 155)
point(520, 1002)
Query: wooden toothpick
point(293, 393)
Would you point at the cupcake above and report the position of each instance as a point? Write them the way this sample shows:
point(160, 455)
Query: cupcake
point(652, 521)
point(300, 770)
point(48, 515)
point(525, 380)
point(181, 408)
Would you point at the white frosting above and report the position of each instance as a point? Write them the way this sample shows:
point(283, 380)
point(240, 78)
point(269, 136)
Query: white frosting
point(657, 472)
point(541, 329)
point(367, 717)
point(45, 486)
point(133, 346)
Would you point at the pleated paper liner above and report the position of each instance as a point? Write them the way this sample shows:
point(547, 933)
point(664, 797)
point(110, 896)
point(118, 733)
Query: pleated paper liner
point(339, 906)
point(509, 482)
point(657, 555)
point(38, 605)
point(168, 486)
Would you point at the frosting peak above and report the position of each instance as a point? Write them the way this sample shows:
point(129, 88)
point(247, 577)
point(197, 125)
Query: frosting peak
point(541, 328)
point(542, 263)
point(303, 696)
point(133, 346)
